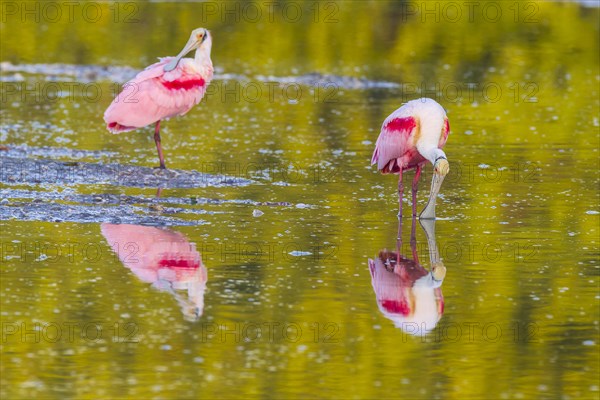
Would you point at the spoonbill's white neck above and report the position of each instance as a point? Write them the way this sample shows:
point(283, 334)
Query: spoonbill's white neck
point(432, 154)
point(431, 129)
point(202, 56)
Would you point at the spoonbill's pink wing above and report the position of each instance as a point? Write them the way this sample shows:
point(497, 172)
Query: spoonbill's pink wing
point(154, 95)
point(413, 305)
point(394, 143)
point(445, 133)
point(164, 258)
point(391, 291)
point(148, 250)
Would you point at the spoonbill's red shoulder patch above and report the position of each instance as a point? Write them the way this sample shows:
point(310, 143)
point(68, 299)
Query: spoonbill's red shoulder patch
point(396, 307)
point(179, 263)
point(401, 124)
point(185, 85)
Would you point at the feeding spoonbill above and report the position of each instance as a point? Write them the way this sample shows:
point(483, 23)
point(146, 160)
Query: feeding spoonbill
point(412, 135)
point(168, 88)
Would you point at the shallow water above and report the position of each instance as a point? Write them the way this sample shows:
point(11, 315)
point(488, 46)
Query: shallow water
point(273, 190)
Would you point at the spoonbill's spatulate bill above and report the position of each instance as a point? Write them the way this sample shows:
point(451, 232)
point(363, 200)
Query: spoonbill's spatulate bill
point(168, 88)
point(410, 137)
point(429, 210)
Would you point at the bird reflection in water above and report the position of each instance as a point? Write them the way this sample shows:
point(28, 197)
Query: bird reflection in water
point(164, 258)
point(406, 292)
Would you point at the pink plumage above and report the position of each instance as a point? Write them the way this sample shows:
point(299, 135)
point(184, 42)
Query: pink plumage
point(154, 95)
point(168, 88)
point(396, 148)
point(406, 292)
point(412, 135)
point(164, 258)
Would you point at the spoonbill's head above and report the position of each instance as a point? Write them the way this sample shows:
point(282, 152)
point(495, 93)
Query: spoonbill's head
point(200, 39)
point(438, 271)
point(441, 167)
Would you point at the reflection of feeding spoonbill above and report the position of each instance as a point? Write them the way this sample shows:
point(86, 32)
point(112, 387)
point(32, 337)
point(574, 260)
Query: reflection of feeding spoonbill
point(168, 88)
point(406, 292)
point(412, 135)
point(164, 258)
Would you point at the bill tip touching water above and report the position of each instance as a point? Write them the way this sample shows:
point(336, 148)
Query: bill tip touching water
point(410, 137)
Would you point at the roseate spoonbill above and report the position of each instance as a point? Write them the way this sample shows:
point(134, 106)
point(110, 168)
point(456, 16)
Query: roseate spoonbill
point(168, 88)
point(406, 293)
point(412, 135)
point(164, 258)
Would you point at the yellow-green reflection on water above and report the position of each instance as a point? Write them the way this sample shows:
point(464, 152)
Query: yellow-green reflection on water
point(518, 234)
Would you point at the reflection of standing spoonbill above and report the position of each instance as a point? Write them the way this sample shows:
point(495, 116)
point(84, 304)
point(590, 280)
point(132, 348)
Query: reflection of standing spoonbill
point(412, 135)
point(164, 258)
point(168, 88)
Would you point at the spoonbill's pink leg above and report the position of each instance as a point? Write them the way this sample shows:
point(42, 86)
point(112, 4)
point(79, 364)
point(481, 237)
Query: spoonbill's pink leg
point(415, 183)
point(399, 242)
point(413, 238)
point(158, 148)
point(400, 194)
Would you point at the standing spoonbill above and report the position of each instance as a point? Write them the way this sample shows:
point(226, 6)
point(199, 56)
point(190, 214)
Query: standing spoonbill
point(412, 135)
point(168, 88)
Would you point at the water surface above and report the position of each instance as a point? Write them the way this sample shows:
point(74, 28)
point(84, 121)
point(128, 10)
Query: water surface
point(285, 211)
